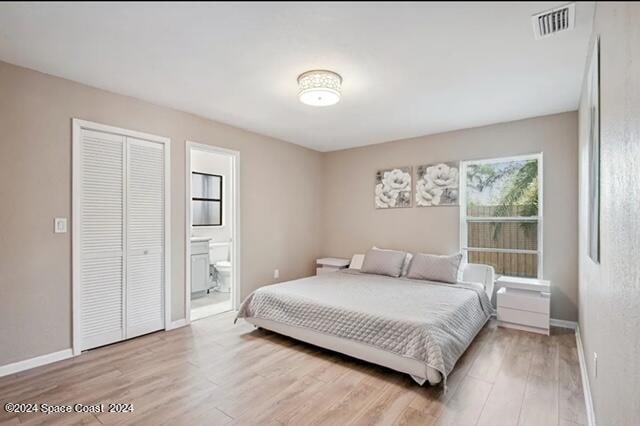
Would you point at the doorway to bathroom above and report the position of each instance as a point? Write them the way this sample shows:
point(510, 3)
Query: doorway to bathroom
point(212, 232)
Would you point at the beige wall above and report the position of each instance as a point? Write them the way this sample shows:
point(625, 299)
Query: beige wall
point(352, 224)
point(280, 206)
point(610, 292)
point(296, 203)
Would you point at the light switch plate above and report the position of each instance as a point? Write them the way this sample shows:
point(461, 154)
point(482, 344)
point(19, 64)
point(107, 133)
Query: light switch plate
point(60, 225)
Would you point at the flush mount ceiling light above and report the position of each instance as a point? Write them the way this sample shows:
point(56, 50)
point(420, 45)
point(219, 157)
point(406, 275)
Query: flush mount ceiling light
point(319, 88)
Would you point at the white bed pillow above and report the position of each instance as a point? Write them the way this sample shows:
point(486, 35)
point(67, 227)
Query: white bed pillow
point(356, 262)
point(383, 262)
point(407, 262)
point(435, 268)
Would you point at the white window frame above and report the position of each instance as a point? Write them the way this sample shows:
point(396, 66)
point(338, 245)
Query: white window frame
point(464, 219)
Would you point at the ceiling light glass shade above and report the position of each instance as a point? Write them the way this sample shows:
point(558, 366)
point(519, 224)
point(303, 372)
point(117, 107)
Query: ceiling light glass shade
point(319, 88)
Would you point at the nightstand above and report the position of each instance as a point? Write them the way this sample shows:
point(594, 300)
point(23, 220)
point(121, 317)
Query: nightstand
point(330, 264)
point(524, 304)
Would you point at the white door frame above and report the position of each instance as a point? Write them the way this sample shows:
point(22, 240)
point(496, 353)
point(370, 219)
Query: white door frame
point(77, 126)
point(236, 287)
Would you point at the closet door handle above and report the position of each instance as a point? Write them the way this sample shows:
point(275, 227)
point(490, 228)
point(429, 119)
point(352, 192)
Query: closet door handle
point(146, 252)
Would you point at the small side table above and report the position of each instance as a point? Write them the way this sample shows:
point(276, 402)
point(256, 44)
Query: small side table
point(524, 304)
point(331, 264)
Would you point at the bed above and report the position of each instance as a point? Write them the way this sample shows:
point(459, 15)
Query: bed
point(416, 327)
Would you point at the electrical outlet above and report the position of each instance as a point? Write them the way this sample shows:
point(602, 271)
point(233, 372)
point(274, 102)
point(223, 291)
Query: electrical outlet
point(276, 274)
point(595, 364)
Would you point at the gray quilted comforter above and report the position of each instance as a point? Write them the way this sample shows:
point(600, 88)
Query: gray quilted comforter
point(427, 321)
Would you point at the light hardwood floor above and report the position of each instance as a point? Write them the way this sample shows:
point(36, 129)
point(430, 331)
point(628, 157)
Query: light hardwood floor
point(213, 303)
point(215, 372)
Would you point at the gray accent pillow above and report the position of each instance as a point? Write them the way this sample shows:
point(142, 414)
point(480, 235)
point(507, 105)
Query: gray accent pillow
point(435, 268)
point(383, 262)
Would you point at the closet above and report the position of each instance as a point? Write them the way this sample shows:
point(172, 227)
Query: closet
point(119, 234)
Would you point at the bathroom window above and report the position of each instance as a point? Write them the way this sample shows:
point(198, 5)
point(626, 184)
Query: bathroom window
point(206, 199)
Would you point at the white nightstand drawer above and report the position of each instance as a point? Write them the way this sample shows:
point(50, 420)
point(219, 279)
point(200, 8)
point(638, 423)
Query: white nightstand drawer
point(333, 262)
point(524, 300)
point(531, 319)
point(330, 264)
point(326, 270)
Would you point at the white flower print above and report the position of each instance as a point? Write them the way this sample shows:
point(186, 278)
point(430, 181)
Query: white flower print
point(442, 175)
point(437, 185)
point(427, 194)
point(393, 188)
point(384, 197)
point(397, 180)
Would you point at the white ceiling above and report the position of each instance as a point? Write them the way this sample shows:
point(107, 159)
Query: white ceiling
point(409, 69)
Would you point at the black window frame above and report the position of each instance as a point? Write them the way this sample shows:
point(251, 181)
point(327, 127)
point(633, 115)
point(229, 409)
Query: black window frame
point(219, 200)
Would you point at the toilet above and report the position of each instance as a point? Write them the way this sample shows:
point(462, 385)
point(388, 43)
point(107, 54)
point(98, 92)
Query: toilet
point(221, 266)
point(223, 274)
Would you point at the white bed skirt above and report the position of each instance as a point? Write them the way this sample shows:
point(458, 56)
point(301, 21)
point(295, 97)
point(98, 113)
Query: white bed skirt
point(416, 369)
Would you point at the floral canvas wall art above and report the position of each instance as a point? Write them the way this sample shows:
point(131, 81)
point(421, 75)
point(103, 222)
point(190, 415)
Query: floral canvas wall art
point(393, 188)
point(437, 184)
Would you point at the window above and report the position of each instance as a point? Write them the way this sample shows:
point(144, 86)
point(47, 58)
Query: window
point(206, 199)
point(501, 214)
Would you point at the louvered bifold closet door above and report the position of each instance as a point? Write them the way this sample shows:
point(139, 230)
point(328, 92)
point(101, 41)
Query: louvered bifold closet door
point(101, 178)
point(145, 237)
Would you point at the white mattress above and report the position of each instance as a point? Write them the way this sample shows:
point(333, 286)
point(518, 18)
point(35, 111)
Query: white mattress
point(418, 370)
point(291, 309)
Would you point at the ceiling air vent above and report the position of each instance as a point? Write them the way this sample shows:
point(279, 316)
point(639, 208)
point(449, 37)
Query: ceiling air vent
point(554, 21)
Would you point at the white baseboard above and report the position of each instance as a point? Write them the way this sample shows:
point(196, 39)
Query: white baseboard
point(177, 324)
point(38, 361)
point(27, 364)
point(586, 389)
point(554, 322)
point(563, 323)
